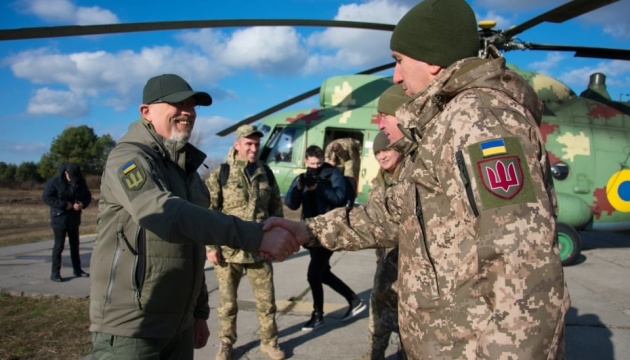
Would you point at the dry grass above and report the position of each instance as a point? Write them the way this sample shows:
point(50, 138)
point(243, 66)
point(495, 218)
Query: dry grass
point(43, 328)
point(40, 327)
point(24, 218)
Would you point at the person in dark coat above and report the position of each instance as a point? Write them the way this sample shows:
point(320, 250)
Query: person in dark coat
point(67, 195)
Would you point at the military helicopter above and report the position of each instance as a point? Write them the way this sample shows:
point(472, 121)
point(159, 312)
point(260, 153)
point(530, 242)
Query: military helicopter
point(587, 136)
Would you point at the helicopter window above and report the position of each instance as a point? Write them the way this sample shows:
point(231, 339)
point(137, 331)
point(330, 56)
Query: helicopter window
point(560, 170)
point(280, 145)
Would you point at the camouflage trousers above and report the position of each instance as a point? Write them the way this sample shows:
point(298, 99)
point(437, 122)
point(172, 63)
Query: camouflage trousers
point(383, 318)
point(260, 275)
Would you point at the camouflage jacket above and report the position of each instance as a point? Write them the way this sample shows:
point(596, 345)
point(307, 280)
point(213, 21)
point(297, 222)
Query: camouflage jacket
point(146, 271)
point(249, 199)
point(479, 270)
point(349, 159)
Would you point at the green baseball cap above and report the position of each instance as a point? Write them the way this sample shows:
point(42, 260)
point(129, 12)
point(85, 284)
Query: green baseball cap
point(171, 88)
point(247, 131)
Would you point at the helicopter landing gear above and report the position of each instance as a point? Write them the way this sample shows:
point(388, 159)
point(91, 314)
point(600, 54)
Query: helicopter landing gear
point(569, 244)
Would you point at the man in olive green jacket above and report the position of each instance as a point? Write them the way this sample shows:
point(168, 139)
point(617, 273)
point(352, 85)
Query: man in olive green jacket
point(148, 295)
point(246, 188)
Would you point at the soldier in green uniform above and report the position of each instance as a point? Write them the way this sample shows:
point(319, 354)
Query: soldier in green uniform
point(246, 188)
point(473, 211)
point(148, 296)
point(384, 299)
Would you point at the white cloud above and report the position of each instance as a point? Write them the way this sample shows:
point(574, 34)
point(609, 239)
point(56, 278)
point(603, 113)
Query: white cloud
point(354, 47)
point(616, 72)
point(551, 62)
point(64, 11)
point(54, 102)
point(275, 49)
point(119, 75)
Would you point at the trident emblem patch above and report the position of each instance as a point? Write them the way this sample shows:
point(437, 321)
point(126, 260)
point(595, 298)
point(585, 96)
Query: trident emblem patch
point(502, 176)
point(133, 176)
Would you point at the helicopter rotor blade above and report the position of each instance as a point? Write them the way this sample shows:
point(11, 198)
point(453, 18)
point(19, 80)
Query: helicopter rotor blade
point(76, 30)
point(560, 14)
point(292, 101)
point(584, 51)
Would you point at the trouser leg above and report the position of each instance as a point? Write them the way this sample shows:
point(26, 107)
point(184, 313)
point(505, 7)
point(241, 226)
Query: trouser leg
point(229, 277)
point(314, 277)
point(73, 240)
point(110, 347)
point(260, 276)
point(332, 280)
point(60, 239)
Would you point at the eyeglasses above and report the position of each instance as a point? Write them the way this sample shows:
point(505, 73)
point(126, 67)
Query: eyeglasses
point(189, 103)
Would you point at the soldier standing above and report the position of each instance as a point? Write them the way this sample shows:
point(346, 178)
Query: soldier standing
point(345, 154)
point(474, 209)
point(246, 188)
point(384, 299)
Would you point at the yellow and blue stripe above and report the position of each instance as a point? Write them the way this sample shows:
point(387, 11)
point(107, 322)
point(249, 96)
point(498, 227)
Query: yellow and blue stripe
point(128, 167)
point(493, 147)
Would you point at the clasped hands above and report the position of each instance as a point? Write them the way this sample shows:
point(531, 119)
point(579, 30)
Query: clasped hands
point(282, 238)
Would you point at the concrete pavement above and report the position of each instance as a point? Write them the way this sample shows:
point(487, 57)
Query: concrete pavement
point(598, 325)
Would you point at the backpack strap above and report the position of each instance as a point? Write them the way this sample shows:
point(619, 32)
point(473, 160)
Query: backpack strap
point(224, 173)
point(270, 177)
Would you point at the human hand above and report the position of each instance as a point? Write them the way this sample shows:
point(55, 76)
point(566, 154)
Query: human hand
point(215, 257)
point(299, 182)
point(77, 206)
point(296, 228)
point(277, 244)
point(202, 333)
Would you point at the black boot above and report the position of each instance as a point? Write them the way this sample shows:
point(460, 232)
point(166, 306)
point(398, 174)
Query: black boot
point(81, 273)
point(317, 320)
point(56, 277)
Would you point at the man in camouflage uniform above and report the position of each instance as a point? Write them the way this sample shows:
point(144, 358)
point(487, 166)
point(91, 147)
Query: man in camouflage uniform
point(249, 191)
point(474, 210)
point(384, 299)
point(345, 154)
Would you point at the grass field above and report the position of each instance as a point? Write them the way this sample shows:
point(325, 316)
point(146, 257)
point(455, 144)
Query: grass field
point(36, 327)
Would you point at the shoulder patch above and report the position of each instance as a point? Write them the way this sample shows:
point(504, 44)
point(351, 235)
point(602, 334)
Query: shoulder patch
point(500, 168)
point(132, 176)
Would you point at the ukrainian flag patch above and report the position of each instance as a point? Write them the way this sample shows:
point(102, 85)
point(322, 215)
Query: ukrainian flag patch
point(128, 167)
point(493, 147)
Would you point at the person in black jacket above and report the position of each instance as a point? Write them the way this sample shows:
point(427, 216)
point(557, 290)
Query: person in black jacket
point(320, 189)
point(66, 194)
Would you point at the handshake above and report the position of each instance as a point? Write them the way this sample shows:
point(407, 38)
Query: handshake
point(282, 238)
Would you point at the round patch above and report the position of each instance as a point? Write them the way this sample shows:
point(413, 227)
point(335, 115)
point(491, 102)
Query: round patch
point(618, 190)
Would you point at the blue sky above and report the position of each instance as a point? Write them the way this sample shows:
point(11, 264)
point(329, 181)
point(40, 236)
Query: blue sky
point(51, 84)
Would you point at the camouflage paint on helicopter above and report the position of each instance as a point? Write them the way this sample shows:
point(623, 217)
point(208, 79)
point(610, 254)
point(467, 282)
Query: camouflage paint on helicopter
point(347, 109)
point(586, 136)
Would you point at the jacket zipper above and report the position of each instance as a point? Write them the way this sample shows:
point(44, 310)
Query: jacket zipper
point(420, 216)
point(459, 157)
point(139, 266)
point(112, 272)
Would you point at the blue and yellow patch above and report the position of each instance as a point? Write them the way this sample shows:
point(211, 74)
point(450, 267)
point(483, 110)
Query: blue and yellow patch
point(128, 167)
point(618, 190)
point(493, 147)
point(505, 179)
point(132, 176)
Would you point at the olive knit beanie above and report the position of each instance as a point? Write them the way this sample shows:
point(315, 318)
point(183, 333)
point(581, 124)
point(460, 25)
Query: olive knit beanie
point(380, 142)
point(437, 32)
point(391, 99)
